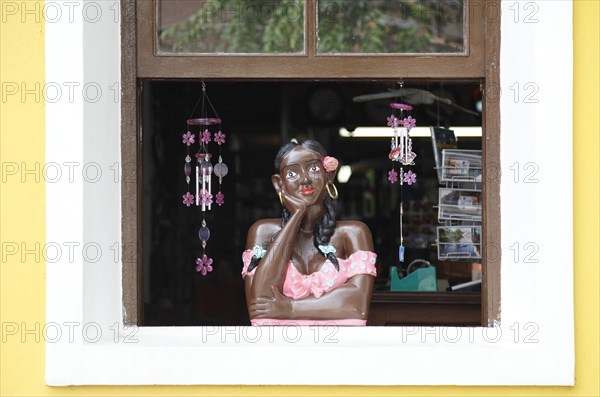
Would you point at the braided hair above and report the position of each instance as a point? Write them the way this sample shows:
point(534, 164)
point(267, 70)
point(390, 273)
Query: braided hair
point(325, 228)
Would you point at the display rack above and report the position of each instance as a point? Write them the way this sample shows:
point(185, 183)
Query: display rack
point(459, 206)
point(461, 166)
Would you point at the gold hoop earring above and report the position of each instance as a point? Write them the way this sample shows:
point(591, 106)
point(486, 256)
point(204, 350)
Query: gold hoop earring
point(335, 195)
point(280, 197)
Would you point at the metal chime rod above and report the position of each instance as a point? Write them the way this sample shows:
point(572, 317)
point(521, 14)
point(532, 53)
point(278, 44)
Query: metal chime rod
point(197, 185)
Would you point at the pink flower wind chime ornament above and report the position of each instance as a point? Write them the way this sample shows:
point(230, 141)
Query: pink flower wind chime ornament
point(401, 146)
point(208, 130)
point(401, 151)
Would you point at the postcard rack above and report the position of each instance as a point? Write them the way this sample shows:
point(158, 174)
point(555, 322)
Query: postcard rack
point(459, 206)
point(461, 166)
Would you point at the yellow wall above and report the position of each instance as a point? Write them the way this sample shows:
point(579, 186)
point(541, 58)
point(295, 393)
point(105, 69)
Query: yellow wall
point(22, 214)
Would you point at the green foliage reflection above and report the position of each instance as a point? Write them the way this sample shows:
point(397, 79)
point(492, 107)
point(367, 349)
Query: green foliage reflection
point(344, 26)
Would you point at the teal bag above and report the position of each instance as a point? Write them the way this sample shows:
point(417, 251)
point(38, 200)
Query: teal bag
point(422, 279)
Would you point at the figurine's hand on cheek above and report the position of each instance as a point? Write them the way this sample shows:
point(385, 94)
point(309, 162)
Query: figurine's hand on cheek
point(293, 204)
point(315, 201)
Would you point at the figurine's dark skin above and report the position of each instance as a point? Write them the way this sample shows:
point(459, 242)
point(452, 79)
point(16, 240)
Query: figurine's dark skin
point(301, 171)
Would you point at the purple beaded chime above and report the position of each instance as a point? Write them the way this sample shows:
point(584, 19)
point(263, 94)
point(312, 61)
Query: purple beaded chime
point(401, 151)
point(203, 171)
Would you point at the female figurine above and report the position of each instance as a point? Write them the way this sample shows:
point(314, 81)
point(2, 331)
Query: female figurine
point(306, 268)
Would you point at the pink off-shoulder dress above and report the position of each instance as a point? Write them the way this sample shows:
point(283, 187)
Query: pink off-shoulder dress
point(298, 286)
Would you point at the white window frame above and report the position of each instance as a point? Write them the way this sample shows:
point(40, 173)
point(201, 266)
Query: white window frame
point(532, 345)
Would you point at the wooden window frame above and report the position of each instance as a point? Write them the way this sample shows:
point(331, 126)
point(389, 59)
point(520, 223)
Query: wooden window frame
point(141, 62)
point(308, 65)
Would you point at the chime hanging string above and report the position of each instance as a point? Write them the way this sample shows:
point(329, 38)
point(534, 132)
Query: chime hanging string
point(406, 139)
point(205, 96)
point(203, 109)
point(205, 150)
point(401, 248)
point(401, 83)
point(199, 140)
point(401, 210)
point(204, 113)
point(401, 214)
point(204, 170)
point(198, 101)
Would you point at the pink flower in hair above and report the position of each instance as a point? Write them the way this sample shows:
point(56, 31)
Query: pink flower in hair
point(330, 163)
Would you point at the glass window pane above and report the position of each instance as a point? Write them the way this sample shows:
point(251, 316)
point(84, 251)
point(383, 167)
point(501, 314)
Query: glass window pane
point(391, 26)
point(230, 26)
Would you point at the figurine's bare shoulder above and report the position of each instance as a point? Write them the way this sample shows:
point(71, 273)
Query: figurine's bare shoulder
point(262, 231)
point(356, 236)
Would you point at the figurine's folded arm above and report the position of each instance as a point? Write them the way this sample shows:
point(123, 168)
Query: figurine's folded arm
point(272, 267)
point(349, 301)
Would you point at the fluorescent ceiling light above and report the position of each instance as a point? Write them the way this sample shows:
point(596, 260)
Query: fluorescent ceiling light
point(417, 132)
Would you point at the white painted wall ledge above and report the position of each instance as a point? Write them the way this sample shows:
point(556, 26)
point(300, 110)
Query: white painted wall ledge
point(533, 345)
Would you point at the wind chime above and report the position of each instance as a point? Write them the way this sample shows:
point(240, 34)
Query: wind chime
point(401, 151)
point(205, 129)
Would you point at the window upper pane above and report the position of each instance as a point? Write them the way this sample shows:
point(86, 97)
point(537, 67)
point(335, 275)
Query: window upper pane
point(230, 26)
point(391, 26)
